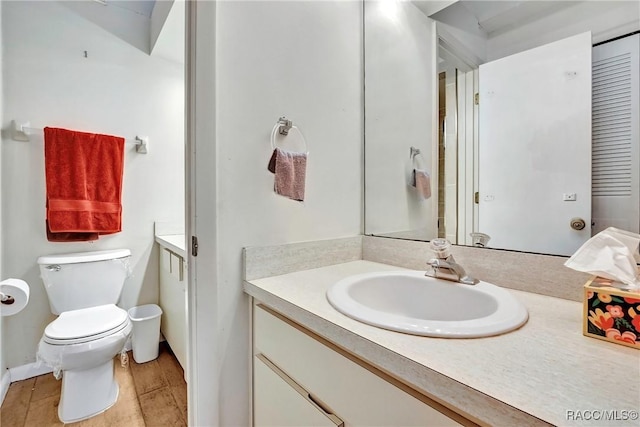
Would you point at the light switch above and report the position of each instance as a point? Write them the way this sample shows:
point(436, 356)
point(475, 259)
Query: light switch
point(569, 197)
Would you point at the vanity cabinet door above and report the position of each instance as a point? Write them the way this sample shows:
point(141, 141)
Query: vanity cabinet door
point(352, 390)
point(280, 402)
point(173, 303)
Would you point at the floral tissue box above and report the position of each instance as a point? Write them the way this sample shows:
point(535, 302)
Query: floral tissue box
point(611, 314)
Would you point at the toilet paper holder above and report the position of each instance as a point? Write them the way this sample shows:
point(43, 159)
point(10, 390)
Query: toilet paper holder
point(6, 299)
point(14, 296)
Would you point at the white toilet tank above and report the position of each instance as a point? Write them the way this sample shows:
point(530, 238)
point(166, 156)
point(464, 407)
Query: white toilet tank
point(85, 279)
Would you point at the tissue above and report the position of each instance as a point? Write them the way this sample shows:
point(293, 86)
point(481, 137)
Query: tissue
point(612, 254)
point(16, 292)
point(631, 240)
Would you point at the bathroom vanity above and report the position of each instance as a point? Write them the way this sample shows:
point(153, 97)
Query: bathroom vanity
point(337, 370)
point(173, 301)
point(303, 379)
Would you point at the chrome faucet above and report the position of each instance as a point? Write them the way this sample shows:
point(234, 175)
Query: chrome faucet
point(445, 266)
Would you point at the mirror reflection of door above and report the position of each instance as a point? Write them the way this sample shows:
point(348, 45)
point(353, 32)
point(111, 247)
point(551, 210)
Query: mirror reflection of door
point(615, 145)
point(535, 116)
point(616, 137)
point(403, 109)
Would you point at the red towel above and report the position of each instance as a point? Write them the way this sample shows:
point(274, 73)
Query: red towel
point(84, 184)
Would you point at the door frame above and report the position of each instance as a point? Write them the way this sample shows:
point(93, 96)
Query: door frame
point(467, 64)
point(201, 216)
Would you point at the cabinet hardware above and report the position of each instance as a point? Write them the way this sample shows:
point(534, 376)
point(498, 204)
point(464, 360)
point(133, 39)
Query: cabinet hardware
point(320, 404)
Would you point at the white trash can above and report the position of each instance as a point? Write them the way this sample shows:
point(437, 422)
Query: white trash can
point(146, 332)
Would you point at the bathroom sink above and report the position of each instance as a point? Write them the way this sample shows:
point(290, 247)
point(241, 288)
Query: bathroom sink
point(410, 302)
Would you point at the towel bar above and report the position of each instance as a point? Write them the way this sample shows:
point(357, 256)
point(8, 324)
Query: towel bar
point(21, 131)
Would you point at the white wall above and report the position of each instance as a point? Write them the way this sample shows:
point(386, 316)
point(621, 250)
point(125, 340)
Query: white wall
point(400, 81)
point(3, 346)
point(605, 20)
point(169, 42)
point(159, 16)
point(302, 60)
point(116, 90)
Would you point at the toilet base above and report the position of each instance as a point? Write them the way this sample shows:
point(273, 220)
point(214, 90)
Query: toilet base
point(88, 392)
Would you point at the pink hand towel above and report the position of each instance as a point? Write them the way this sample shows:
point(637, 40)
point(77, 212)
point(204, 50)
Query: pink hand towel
point(290, 170)
point(422, 182)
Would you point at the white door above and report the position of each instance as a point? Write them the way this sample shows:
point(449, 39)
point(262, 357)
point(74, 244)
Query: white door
point(616, 137)
point(535, 147)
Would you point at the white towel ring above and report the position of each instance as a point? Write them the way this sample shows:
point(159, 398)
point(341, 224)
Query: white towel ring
point(275, 131)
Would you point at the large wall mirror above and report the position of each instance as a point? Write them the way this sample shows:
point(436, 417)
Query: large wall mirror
point(502, 124)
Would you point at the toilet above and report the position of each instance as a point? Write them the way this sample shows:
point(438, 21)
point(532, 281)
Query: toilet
point(90, 329)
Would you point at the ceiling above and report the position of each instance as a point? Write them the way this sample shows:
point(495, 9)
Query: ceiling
point(141, 7)
point(154, 26)
point(496, 17)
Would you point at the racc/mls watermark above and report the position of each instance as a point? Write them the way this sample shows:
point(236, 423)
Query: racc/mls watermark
point(602, 415)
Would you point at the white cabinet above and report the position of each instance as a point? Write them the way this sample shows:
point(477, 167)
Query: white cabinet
point(345, 386)
point(173, 302)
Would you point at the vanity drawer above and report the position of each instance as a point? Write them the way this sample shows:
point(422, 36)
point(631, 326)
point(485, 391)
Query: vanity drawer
point(354, 393)
point(281, 402)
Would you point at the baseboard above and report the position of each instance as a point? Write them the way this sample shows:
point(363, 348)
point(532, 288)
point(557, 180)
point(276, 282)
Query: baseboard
point(5, 382)
point(29, 370)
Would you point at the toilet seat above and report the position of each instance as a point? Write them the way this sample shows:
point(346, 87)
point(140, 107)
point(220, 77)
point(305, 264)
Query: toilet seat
point(86, 324)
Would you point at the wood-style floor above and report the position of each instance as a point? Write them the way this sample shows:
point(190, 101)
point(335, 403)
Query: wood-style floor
point(151, 394)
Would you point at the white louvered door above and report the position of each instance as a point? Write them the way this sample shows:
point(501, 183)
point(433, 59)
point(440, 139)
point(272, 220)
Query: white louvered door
point(616, 135)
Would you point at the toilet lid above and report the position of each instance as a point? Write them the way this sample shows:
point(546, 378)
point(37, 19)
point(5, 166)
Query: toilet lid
point(86, 324)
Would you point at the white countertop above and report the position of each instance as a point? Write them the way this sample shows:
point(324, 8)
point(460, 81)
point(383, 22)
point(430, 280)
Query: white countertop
point(173, 242)
point(540, 372)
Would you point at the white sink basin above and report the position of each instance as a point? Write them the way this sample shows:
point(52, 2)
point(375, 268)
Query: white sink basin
point(410, 302)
